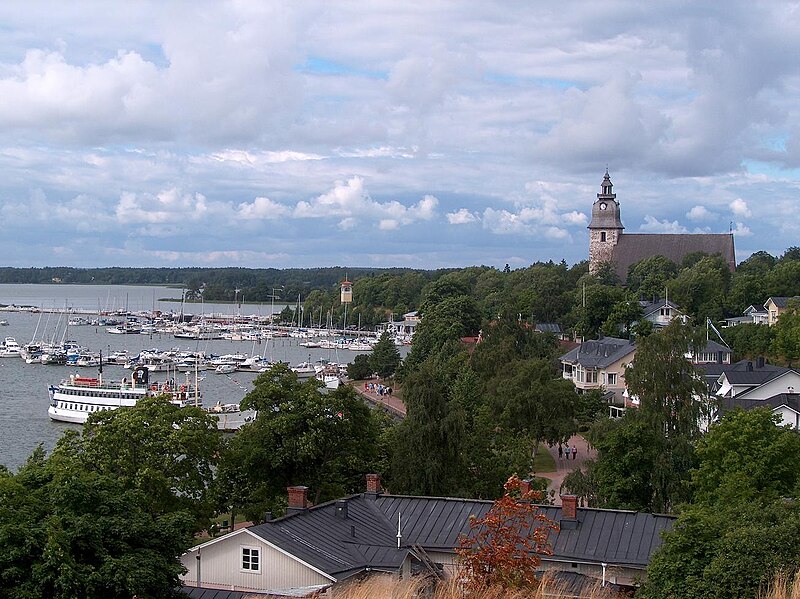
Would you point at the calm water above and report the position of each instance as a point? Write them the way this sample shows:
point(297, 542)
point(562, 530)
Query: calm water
point(23, 387)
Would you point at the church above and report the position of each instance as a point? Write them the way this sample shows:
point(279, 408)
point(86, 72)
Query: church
point(608, 242)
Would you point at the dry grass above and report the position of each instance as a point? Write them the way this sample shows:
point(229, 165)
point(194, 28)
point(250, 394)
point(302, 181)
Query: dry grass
point(784, 586)
point(390, 587)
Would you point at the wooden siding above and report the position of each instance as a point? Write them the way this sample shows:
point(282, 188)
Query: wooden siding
point(220, 567)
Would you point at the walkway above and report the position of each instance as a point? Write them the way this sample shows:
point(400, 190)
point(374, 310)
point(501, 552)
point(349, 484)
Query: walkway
point(390, 403)
point(565, 466)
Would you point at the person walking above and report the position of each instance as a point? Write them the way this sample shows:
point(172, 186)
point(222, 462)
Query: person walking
point(566, 452)
point(574, 452)
point(560, 452)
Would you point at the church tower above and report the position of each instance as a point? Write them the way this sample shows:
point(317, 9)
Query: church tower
point(606, 227)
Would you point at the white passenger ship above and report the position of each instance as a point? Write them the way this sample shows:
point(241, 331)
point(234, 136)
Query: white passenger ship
point(75, 398)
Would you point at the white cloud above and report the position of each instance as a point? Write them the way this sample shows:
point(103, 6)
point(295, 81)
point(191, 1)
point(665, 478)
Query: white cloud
point(261, 159)
point(199, 126)
point(462, 216)
point(350, 200)
point(575, 218)
point(700, 213)
point(168, 206)
point(742, 230)
point(262, 208)
point(739, 207)
point(653, 225)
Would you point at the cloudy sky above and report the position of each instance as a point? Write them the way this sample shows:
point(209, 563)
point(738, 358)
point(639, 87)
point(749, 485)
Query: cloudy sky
point(385, 133)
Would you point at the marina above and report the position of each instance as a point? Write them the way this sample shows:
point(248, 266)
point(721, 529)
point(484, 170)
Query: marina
point(25, 387)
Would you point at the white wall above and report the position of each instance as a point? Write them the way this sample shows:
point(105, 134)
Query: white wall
point(220, 567)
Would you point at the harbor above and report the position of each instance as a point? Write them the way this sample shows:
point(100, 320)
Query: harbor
point(247, 342)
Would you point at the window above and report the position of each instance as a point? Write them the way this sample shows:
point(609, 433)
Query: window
point(251, 559)
point(602, 235)
point(612, 378)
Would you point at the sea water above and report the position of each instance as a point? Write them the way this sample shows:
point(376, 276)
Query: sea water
point(24, 423)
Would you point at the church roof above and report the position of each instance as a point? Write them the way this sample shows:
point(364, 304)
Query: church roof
point(634, 247)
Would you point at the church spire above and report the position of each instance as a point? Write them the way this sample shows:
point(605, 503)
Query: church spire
point(606, 188)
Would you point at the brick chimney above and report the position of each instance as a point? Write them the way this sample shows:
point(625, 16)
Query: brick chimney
point(298, 499)
point(569, 508)
point(373, 484)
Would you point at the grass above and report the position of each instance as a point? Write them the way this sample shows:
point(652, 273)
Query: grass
point(543, 461)
point(391, 587)
point(387, 586)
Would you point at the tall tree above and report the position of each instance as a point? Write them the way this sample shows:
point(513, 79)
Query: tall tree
point(300, 436)
point(674, 403)
point(428, 456)
point(385, 357)
point(533, 403)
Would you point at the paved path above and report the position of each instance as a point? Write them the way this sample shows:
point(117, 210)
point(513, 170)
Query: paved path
point(390, 403)
point(565, 466)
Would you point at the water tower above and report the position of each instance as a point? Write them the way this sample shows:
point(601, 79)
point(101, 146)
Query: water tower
point(346, 298)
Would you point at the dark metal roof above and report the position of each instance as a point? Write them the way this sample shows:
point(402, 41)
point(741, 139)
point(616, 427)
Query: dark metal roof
point(748, 372)
point(548, 327)
point(325, 540)
point(790, 400)
point(599, 353)
point(714, 347)
point(633, 247)
point(648, 307)
point(781, 302)
point(201, 593)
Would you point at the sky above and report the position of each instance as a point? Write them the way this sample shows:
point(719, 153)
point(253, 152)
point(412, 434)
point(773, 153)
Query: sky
point(383, 133)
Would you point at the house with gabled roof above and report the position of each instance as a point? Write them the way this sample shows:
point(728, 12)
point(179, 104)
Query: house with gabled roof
point(761, 385)
point(775, 306)
point(750, 315)
point(599, 364)
point(661, 312)
point(314, 548)
point(745, 376)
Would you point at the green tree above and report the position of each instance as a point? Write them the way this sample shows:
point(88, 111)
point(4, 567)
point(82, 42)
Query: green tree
point(649, 277)
point(533, 403)
point(622, 475)
point(621, 319)
point(701, 288)
point(787, 334)
point(750, 340)
point(450, 320)
point(428, 447)
point(300, 436)
point(672, 394)
point(385, 357)
point(359, 368)
point(70, 527)
point(166, 452)
point(507, 340)
point(740, 531)
point(673, 404)
point(593, 305)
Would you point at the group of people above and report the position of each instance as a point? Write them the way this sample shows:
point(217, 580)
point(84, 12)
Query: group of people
point(378, 388)
point(564, 452)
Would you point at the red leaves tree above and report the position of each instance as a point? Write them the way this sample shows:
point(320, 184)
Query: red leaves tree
point(503, 547)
